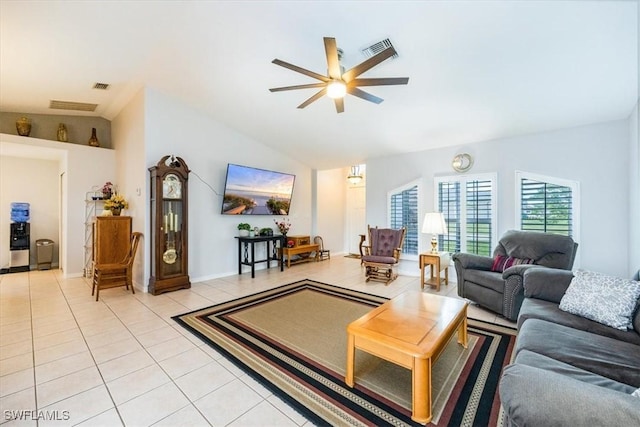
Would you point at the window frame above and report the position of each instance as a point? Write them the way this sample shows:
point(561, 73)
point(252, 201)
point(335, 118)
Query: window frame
point(463, 180)
point(575, 198)
point(418, 184)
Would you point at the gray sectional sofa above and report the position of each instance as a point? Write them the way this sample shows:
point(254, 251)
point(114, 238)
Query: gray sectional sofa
point(569, 370)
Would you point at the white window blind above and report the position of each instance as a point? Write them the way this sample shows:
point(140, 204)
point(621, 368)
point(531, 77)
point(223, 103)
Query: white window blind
point(403, 212)
point(547, 204)
point(469, 207)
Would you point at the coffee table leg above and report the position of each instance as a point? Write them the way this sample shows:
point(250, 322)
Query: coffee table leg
point(462, 332)
point(351, 355)
point(421, 401)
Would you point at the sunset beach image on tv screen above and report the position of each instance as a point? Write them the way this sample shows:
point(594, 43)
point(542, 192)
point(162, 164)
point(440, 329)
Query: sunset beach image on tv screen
point(252, 191)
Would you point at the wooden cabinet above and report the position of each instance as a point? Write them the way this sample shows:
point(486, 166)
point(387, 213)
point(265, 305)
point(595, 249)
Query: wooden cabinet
point(111, 238)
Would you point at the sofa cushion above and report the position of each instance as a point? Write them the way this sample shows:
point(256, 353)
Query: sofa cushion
point(606, 299)
point(541, 361)
point(502, 262)
point(544, 310)
point(601, 355)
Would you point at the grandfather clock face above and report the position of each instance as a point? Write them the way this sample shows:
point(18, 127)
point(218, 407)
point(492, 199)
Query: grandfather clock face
point(171, 187)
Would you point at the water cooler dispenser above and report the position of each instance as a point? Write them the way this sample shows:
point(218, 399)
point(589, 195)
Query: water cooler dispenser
point(20, 238)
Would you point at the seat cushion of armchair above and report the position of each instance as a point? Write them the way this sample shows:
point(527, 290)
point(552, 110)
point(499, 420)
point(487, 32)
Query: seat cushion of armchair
point(608, 357)
point(488, 279)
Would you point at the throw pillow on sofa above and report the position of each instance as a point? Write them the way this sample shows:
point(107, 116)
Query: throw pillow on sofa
point(502, 262)
point(605, 299)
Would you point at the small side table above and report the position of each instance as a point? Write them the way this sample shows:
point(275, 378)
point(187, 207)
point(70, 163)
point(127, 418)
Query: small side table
point(438, 262)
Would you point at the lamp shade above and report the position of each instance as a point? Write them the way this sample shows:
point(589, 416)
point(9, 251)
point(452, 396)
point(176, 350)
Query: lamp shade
point(434, 223)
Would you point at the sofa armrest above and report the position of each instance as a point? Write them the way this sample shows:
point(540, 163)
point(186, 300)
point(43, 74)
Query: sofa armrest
point(536, 397)
point(549, 284)
point(472, 261)
point(513, 290)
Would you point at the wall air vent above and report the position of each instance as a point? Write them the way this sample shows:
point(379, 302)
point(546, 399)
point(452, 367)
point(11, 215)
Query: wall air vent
point(70, 105)
point(377, 48)
point(101, 86)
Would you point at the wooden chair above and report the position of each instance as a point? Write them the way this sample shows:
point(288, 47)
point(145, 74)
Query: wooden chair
point(116, 274)
point(322, 252)
point(382, 253)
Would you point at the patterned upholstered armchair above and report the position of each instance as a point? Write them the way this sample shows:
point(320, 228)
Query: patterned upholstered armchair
point(382, 253)
point(496, 283)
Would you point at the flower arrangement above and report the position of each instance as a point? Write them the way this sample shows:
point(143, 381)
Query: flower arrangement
point(107, 189)
point(116, 202)
point(283, 225)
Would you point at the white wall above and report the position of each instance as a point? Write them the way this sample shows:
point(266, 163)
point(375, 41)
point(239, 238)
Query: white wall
point(34, 181)
point(634, 191)
point(595, 156)
point(207, 146)
point(128, 134)
point(331, 210)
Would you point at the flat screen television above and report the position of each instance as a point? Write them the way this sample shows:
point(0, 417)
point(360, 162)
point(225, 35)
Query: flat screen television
point(252, 191)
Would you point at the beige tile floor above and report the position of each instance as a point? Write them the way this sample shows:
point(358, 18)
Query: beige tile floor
point(123, 361)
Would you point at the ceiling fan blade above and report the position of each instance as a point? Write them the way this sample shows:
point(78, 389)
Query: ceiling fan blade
point(368, 64)
point(315, 97)
point(339, 105)
point(333, 62)
point(301, 70)
point(364, 95)
point(383, 81)
point(308, 86)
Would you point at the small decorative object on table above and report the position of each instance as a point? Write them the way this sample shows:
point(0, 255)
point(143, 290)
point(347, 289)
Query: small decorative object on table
point(243, 229)
point(283, 226)
point(23, 126)
point(115, 204)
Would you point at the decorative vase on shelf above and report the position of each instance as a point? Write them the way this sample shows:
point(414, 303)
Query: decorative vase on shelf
point(62, 133)
point(93, 141)
point(23, 126)
point(115, 211)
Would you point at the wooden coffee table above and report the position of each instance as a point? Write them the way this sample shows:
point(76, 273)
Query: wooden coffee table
point(410, 330)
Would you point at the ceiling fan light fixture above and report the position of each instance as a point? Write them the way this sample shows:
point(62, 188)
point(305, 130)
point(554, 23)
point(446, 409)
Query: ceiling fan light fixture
point(336, 89)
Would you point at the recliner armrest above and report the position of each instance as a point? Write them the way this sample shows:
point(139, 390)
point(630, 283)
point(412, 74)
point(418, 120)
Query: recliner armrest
point(549, 284)
point(472, 261)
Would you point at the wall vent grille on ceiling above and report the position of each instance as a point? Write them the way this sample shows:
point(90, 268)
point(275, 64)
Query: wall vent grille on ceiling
point(101, 86)
point(70, 105)
point(377, 48)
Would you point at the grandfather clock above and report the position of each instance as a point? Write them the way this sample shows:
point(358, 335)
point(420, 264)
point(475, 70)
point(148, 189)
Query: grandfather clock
point(169, 226)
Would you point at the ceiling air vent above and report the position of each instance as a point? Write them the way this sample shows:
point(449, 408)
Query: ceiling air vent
point(70, 105)
point(101, 86)
point(377, 48)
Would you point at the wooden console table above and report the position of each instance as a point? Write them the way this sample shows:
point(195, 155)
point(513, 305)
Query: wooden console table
point(299, 250)
point(273, 252)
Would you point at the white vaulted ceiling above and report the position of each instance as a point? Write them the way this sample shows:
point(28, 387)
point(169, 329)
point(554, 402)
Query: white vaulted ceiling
point(478, 69)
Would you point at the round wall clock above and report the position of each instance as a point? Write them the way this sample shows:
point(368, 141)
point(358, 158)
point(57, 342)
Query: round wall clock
point(462, 162)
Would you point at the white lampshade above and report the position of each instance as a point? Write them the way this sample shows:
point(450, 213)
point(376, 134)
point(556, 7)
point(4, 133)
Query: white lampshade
point(434, 223)
point(336, 89)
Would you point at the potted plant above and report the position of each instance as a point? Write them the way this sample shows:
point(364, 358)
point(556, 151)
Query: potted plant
point(115, 204)
point(243, 228)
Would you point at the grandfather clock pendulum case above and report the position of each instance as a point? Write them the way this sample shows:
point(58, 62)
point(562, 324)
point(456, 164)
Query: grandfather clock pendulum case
point(169, 226)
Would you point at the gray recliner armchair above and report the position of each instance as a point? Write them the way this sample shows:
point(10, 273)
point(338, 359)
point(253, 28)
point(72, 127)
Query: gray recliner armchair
point(502, 291)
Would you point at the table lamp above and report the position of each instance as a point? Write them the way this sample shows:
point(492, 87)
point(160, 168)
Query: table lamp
point(434, 224)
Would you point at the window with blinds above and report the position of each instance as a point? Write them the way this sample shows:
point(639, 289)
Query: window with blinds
point(546, 206)
point(403, 212)
point(469, 207)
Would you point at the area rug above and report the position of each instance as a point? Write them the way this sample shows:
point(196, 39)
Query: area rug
point(292, 339)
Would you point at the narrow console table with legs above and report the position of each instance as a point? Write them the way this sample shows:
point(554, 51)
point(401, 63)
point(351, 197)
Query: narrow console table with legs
point(247, 252)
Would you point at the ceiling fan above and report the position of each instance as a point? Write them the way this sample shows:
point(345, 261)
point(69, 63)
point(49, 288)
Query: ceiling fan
point(338, 83)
